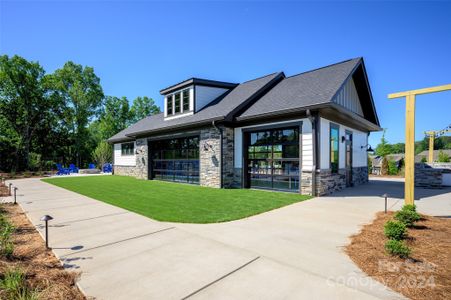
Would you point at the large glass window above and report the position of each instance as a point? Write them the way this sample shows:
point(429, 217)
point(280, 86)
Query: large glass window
point(176, 159)
point(186, 100)
point(127, 149)
point(334, 144)
point(169, 104)
point(273, 159)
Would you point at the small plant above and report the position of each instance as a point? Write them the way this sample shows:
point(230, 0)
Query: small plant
point(397, 248)
point(407, 216)
point(410, 207)
point(6, 245)
point(15, 286)
point(395, 230)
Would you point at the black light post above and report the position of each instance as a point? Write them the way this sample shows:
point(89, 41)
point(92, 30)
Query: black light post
point(385, 196)
point(46, 219)
point(15, 190)
point(10, 184)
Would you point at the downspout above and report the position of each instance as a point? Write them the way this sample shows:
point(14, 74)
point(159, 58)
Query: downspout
point(313, 119)
point(221, 154)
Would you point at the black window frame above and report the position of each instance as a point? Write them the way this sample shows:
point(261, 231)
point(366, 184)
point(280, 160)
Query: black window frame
point(185, 100)
point(334, 166)
point(126, 150)
point(169, 104)
point(177, 103)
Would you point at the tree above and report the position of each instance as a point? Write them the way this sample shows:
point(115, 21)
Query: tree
point(398, 148)
point(443, 157)
point(103, 153)
point(114, 117)
point(143, 107)
point(384, 147)
point(384, 166)
point(24, 104)
point(81, 95)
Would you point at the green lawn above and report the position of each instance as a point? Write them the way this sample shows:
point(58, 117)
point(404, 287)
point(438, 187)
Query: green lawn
point(175, 202)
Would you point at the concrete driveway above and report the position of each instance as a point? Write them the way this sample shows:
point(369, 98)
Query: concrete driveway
point(290, 253)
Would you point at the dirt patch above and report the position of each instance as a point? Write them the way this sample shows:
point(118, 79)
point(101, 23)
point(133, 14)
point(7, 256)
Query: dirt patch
point(42, 269)
point(425, 275)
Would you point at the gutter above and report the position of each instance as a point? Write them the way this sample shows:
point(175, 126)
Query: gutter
point(221, 154)
point(313, 120)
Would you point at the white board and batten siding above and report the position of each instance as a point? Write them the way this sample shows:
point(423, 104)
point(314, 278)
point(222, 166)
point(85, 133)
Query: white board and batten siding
point(306, 147)
point(123, 160)
point(349, 98)
point(359, 140)
point(205, 94)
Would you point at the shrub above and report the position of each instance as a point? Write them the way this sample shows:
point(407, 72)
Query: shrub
point(397, 248)
point(384, 166)
point(443, 157)
point(395, 230)
point(408, 217)
point(393, 167)
point(409, 207)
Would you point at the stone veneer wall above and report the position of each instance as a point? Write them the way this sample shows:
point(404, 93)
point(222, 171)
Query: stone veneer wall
point(140, 170)
point(228, 171)
point(210, 157)
point(430, 175)
point(328, 182)
point(359, 175)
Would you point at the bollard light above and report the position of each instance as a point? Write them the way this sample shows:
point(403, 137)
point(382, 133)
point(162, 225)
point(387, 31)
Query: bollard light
point(46, 219)
point(385, 196)
point(15, 190)
point(10, 184)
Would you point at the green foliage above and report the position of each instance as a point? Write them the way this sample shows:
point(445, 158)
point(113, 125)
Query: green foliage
point(392, 167)
point(384, 166)
point(6, 244)
point(395, 230)
point(397, 248)
point(384, 148)
point(143, 107)
point(443, 157)
point(15, 286)
point(424, 159)
point(103, 153)
point(407, 216)
point(370, 164)
point(409, 207)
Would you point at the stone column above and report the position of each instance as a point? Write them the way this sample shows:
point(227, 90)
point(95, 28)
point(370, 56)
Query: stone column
point(142, 159)
point(210, 157)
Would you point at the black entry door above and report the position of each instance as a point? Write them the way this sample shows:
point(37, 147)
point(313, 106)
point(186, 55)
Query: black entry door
point(348, 158)
point(272, 159)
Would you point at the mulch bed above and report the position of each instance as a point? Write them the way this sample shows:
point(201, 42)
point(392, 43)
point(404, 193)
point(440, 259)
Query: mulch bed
point(425, 275)
point(43, 270)
point(4, 191)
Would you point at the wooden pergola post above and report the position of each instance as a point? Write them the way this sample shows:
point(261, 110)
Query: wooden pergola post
point(409, 185)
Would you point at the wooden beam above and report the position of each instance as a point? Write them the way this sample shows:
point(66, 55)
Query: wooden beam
point(409, 185)
point(434, 89)
point(431, 148)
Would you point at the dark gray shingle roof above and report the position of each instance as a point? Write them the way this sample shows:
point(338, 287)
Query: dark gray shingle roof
point(303, 90)
point(217, 110)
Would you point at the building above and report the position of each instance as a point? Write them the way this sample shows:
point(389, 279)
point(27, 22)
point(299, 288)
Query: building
point(306, 133)
point(376, 162)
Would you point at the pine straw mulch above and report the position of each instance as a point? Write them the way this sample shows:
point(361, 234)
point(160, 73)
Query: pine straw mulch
point(425, 275)
point(43, 270)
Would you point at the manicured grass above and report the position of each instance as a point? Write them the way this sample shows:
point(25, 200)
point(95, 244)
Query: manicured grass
point(175, 202)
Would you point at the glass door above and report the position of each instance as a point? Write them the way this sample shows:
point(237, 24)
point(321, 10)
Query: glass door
point(348, 158)
point(273, 159)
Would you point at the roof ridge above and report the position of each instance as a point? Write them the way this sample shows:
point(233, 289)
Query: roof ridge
point(261, 77)
point(328, 66)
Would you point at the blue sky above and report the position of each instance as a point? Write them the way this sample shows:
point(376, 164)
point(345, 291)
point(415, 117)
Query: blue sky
point(138, 48)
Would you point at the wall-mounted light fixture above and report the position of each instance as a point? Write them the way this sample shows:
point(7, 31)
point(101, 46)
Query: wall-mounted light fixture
point(369, 149)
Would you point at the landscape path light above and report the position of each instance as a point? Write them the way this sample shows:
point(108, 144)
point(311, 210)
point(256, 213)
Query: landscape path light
point(15, 194)
point(46, 219)
point(385, 196)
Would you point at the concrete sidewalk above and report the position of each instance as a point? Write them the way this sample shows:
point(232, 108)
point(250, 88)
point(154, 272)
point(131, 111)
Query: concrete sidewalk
point(290, 253)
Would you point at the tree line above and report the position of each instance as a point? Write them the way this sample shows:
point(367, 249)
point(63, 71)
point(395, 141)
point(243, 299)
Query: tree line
point(384, 148)
point(62, 117)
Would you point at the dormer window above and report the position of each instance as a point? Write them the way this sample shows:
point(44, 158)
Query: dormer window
point(170, 104)
point(192, 95)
